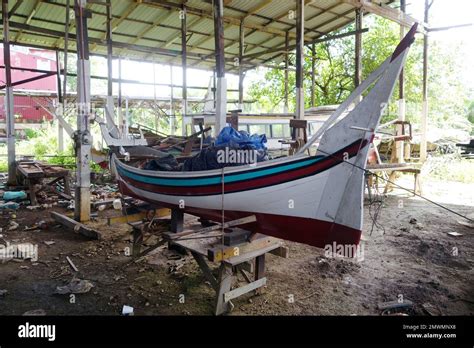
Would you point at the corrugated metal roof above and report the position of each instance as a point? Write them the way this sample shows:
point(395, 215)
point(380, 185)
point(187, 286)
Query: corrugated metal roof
point(151, 25)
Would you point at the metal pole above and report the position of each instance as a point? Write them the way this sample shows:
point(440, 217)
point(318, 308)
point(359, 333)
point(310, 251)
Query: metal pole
point(285, 108)
point(83, 138)
point(9, 113)
point(184, 65)
point(110, 112)
point(119, 101)
point(66, 42)
point(60, 101)
point(358, 48)
point(424, 116)
point(299, 59)
point(241, 69)
point(221, 92)
point(313, 78)
point(172, 125)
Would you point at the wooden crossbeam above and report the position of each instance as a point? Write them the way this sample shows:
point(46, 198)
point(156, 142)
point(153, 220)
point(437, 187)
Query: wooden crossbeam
point(29, 18)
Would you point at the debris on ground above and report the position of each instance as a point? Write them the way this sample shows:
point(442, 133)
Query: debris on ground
point(395, 304)
point(75, 286)
point(3, 292)
point(35, 312)
point(9, 205)
point(14, 196)
point(13, 226)
point(431, 309)
point(73, 266)
point(127, 310)
point(455, 234)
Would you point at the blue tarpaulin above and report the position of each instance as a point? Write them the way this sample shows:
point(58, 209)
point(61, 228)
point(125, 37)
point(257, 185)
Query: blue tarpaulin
point(238, 139)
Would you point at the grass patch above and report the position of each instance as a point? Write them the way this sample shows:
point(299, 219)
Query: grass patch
point(450, 168)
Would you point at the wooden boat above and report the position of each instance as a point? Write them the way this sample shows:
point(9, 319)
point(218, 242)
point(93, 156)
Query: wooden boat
point(317, 200)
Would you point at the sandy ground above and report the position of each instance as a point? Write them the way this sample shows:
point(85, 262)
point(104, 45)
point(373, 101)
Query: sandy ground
point(416, 261)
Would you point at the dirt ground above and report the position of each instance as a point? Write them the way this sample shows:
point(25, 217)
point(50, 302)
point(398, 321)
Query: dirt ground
point(408, 255)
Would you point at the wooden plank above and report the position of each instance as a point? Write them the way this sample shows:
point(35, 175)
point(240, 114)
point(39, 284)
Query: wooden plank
point(123, 219)
point(205, 269)
point(77, 227)
point(260, 267)
point(395, 304)
point(282, 251)
point(225, 282)
point(247, 256)
point(177, 220)
point(243, 221)
point(244, 289)
point(246, 266)
point(223, 252)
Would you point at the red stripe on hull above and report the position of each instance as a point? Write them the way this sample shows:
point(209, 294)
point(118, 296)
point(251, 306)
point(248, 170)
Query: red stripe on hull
point(313, 232)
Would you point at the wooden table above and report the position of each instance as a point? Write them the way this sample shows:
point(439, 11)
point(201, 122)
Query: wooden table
point(34, 172)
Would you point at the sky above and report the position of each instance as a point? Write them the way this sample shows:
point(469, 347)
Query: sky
point(446, 13)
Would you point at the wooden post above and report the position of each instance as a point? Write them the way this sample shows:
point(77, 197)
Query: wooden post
point(399, 145)
point(221, 92)
point(285, 108)
point(83, 136)
point(177, 220)
point(299, 59)
point(358, 48)
point(313, 78)
point(60, 101)
point(8, 100)
point(183, 16)
point(424, 116)
point(241, 69)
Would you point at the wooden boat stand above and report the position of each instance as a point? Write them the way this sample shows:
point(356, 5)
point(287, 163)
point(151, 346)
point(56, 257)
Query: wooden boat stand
point(235, 250)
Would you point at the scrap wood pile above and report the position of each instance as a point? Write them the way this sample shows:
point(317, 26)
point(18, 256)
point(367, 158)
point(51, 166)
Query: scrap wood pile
point(212, 154)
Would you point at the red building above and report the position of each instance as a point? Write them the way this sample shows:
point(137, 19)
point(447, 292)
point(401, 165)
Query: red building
point(25, 107)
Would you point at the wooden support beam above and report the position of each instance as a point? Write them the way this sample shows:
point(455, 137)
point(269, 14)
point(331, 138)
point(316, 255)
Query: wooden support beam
point(14, 8)
point(77, 227)
point(400, 145)
point(225, 283)
point(230, 295)
point(29, 18)
point(139, 216)
point(388, 12)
